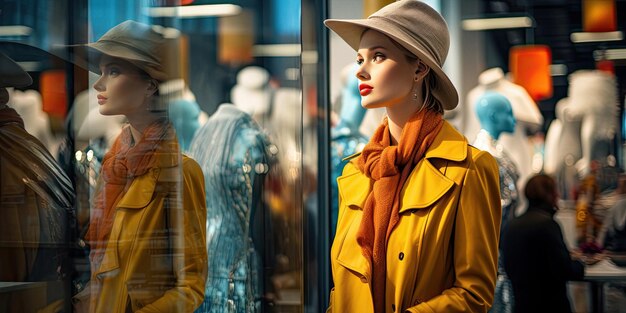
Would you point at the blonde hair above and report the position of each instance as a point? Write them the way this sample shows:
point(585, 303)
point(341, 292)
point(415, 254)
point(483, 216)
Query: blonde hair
point(429, 102)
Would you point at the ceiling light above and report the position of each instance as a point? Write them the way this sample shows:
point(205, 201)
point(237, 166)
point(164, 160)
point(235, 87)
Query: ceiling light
point(497, 23)
point(558, 69)
point(277, 50)
point(191, 11)
point(15, 30)
point(30, 66)
point(610, 54)
point(593, 37)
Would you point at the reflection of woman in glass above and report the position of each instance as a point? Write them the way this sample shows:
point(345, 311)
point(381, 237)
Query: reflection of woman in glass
point(147, 224)
point(419, 210)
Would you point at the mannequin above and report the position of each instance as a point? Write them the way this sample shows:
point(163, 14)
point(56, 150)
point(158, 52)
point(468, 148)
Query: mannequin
point(36, 199)
point(29, 106)
point(183, 110)
point(346, 138)
point(593, 97)
point(563, 148)
point(495, 114)
point(583, 132)
point(184, 115)
point(525, 110)
point(233, 152)
point(253, 93)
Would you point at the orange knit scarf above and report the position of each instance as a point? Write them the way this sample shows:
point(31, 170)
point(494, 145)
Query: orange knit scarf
point(389, 166)
point(120, 166)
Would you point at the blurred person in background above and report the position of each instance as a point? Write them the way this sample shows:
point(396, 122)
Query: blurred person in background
point(536, 258)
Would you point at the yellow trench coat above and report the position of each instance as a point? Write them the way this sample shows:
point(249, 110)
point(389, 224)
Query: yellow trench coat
point(142, 269)
point(442, 255)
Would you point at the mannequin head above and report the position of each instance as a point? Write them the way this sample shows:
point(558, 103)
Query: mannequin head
point(352, 112)
point(184, 117)
point(252, 93)
point(495, 114)
point(491, 76)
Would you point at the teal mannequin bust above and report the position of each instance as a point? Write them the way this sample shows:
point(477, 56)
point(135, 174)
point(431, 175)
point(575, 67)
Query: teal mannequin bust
point(184, 117)
point(495, 114)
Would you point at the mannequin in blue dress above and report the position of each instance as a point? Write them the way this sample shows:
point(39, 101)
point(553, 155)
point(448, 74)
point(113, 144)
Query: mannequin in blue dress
point(346, 138)
point(234, 154)
point(495, 114)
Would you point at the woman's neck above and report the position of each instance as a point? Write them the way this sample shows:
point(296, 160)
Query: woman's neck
point(139, 125)
point(397, 116)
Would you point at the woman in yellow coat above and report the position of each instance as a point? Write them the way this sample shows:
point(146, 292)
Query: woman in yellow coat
point(147, 224)
point(419, 213)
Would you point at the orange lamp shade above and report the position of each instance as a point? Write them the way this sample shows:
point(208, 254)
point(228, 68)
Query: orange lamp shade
point(236, 38)
point(606, 66)
point(53, 92)
point(599, 16)
point(530, 68)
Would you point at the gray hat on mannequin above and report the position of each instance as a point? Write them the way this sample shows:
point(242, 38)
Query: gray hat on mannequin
point(145, 46)
point(418, 28)
point(11, 74)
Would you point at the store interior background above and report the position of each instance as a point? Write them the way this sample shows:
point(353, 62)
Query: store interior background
point(308, 59)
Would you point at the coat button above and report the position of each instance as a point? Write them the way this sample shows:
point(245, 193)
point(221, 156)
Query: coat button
point(401, 256)
point(393, 307)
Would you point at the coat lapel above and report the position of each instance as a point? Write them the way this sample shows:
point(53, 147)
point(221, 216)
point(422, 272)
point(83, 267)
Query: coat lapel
point(354, 187)
point(140, 192)
point(427, 184)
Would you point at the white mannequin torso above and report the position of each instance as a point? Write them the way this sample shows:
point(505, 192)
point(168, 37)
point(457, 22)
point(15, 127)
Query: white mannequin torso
point(28, 105)
point(525, 110)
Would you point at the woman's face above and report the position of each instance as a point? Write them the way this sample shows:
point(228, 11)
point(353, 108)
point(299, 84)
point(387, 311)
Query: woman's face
point(386, 76)
point(122, 89)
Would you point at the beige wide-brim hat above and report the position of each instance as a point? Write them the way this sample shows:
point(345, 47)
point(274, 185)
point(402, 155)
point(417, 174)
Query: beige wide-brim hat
point(143, 45)
point(11, 74)
point(417, 27)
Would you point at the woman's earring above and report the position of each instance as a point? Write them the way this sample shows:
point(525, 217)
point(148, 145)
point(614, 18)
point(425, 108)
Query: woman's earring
point(415, 96)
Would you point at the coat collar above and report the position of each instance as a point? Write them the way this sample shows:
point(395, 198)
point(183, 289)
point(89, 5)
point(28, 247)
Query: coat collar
point(141, 190)
point(354, 186)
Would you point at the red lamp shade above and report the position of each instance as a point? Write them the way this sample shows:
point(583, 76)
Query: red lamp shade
point(170, 3)
point(599, 16)
point(606, 66)
point(530, 68)
point(53, 92)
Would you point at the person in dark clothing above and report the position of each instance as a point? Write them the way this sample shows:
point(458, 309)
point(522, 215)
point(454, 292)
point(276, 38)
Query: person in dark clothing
point(535, 256)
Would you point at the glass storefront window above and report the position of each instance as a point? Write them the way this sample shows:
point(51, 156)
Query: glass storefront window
point(173, 161)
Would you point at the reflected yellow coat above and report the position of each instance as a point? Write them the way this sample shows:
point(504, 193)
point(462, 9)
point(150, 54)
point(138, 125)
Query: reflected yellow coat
point(142, 269)
point(442, 255)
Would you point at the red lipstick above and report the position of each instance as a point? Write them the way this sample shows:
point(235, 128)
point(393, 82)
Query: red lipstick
point(101, 99)
point(365, 89)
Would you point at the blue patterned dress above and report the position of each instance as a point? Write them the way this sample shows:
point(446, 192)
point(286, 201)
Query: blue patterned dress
point(233, 153)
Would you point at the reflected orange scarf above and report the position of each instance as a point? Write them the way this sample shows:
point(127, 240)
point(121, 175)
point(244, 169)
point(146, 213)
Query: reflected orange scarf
point(389, 166)
point(120, 166)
